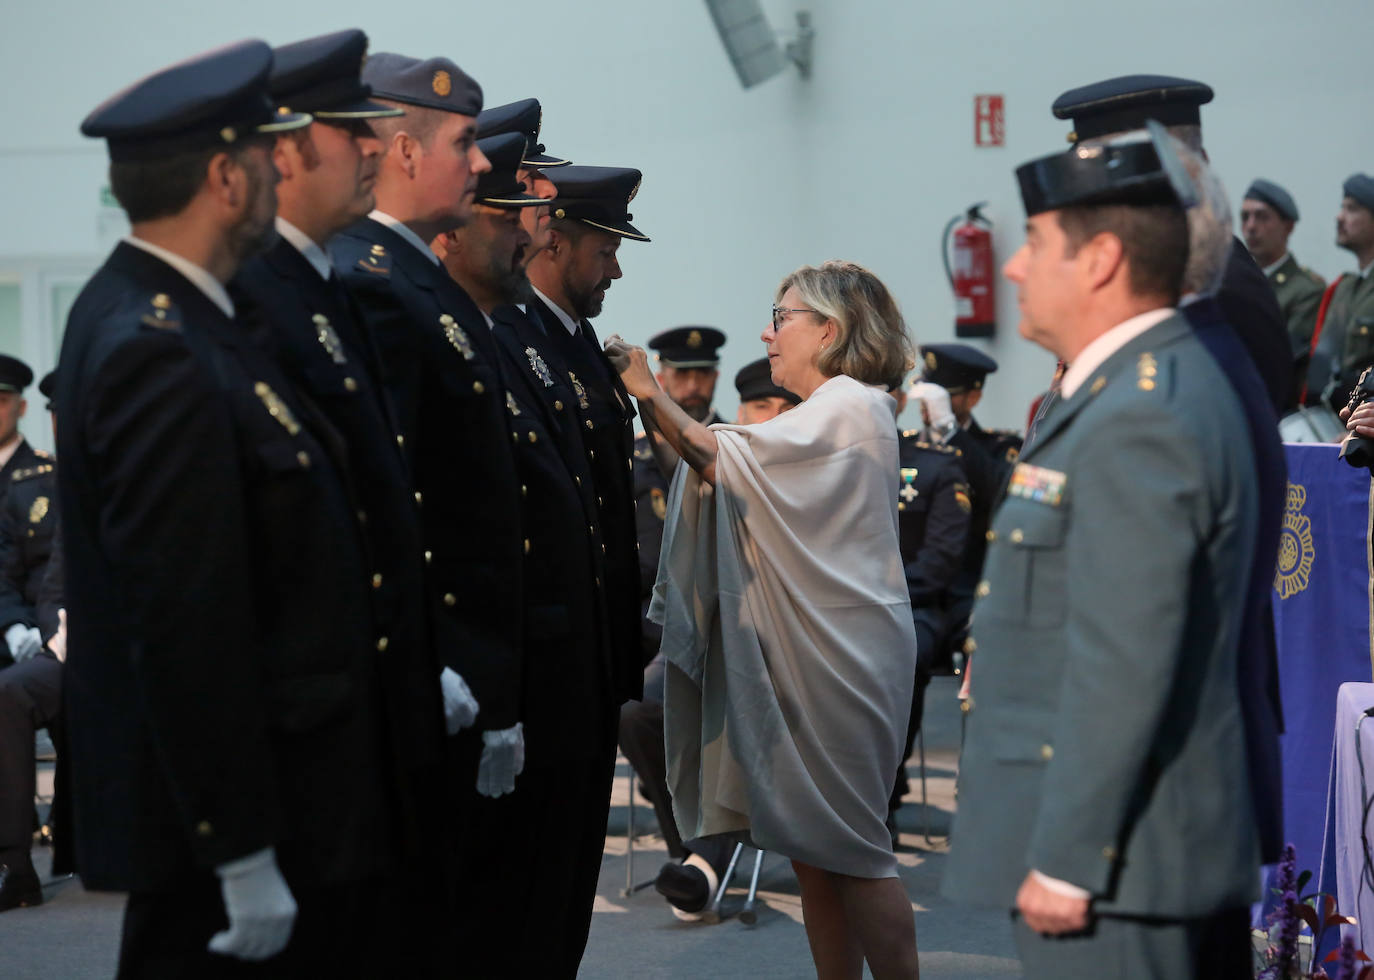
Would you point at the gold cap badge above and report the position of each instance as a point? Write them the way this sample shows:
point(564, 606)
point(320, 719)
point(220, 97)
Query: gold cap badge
point(442, 84)
point(694, 339)
point(930, 360)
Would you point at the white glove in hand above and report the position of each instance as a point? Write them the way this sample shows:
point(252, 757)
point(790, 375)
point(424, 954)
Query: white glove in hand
point(23, 641)
point(260, 908)
point(460, 707)
point(503, 758)
point(939, 415)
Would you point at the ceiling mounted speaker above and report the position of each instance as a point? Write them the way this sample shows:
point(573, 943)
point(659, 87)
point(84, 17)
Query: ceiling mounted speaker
point(753, 46)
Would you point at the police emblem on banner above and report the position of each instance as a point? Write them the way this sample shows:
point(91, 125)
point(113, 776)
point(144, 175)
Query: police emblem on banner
point(1296, 551)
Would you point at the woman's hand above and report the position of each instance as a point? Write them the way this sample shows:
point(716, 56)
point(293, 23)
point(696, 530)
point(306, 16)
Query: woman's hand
point(632, 364)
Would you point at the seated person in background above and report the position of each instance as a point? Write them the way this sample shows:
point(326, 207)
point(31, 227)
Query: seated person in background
point(934, 511)
point(691, 878)
point(30, 675)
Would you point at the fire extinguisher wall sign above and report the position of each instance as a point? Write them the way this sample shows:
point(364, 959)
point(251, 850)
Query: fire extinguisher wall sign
point(967, 250)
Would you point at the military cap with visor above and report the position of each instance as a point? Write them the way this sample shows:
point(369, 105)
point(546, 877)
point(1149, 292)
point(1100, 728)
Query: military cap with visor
point(1139, 168)
point(211, 101)
point(47, 386)
point(524, 117)
point(434, 83)
point(1270, 193)
point(688, 347)
point(755, 380)
point(15, 375)
point(599, 197)
point(322, 76)
point(501, 187)
point(1124, 103)
point(1360, 187)
point(955, 367)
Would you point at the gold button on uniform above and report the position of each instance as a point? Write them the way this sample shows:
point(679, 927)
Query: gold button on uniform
point(578, 480)
point(588, 424)
point(350, 384)
point(450, 599)
point(382, 643)
point(534, 437)
point(524, 490)
point(400, 440)
point(377, 580)
point(429, 557)
point(983, 590)
point(478, 387)
point(1109, 853)
point(1016, 536)
point(1047, 752)
point(419, 497)
point(203, 829)
point(303, 458)
point(527, 546)
point(557, 405)
point(966, 705)
point(991, 536)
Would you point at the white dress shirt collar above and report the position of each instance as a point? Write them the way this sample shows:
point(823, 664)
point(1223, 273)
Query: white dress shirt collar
point(306, 246)
point(567, 321)
point(382, 218)
point(212, 288)
point(1269, 270)
point(1090, 358)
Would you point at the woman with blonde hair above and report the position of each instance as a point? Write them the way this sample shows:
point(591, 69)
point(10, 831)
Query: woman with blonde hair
point(786, 620)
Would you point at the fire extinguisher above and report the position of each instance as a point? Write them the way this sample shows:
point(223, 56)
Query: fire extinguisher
point(971, 276)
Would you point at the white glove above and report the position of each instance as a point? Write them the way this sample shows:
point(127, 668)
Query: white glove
point(259, 905)
point(503, 758)
point(939, 415)
point(57, 643)
point(460, 707)
point(23, 641)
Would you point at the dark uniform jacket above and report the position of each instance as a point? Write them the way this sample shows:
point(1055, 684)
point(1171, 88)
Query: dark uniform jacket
point(28, 517)
point(1345, 343)
point(314, 328)
point(25, 457)
point(988, 457)
point(567, 672)
point(934, 510)
point(440, 366)
point(1258, 666)
point(1248, 302)
point(220, 684)
point(608, 434)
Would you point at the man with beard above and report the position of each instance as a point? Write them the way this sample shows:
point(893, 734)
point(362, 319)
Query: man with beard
point(328, 170)
point(525, 117)
point(1344, 341)
point(439, 365)
point(570, 278)
point(224, 717)
point(553, 826)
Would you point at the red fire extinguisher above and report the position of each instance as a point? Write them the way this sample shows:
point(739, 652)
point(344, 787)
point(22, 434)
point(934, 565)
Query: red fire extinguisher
point(971, 276)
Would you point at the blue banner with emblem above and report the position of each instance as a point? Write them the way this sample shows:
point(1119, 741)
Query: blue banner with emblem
point(1322, 617)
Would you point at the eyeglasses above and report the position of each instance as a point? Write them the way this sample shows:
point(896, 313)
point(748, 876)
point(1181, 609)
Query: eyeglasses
point(778, 317)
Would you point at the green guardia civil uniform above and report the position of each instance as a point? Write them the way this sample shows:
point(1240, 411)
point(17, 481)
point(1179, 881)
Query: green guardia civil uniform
point(1105, 745)
point(1299, 292)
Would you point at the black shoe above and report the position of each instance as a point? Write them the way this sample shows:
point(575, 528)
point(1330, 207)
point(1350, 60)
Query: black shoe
point(19, 885)
point(684, 886)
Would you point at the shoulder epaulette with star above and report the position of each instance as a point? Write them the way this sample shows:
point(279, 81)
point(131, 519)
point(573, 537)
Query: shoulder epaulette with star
point(29, 472)
point(377, 261)
point(43, 454)
point(162, 313)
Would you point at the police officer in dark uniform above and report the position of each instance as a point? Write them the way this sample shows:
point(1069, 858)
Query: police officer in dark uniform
point(30, 675)
point(15, 451)
point(291, 293)
point(688, 360)
point(987, 457)
point(570, 278)
point(934, 511)
point(1245, 295)
point(225, 716)
point(539, 847)
point(441, 368)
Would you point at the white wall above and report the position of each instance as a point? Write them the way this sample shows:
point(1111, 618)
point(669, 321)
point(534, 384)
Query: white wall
point(867, 160)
